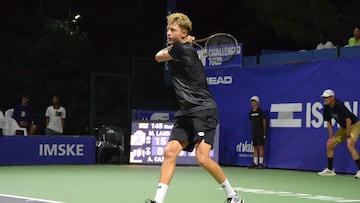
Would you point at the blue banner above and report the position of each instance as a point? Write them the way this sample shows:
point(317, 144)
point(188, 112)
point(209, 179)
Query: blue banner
point(290, 96)
point(37, 150)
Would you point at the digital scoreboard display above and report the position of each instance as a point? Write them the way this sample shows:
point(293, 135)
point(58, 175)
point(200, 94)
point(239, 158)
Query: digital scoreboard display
point(149, 139)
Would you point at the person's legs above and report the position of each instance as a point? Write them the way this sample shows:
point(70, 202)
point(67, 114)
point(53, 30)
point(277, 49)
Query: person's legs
point(256, 155)
point(48, 131)
point(261, 156)
point(202, 156)
point(339, 137)
point(351, 144)
point(171, 152)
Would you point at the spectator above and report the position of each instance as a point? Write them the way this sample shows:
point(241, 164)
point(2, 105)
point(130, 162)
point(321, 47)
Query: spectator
point(23, 115)
point(55, 116)
point(355, 40)
point(324, 42)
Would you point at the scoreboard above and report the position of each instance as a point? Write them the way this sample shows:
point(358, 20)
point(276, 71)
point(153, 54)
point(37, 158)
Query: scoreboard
point(149, 139)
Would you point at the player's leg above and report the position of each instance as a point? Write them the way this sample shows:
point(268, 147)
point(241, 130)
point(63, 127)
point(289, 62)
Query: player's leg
point(339, 137)
point(351, 144)
point(203, 158)
point(171, 152)
point(177, 142)
point(261, 142)
point(255, 162)
point(261, 156)
point(204, 125)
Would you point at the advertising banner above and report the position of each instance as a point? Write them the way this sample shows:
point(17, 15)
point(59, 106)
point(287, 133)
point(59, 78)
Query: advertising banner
point(38, 150)
point(290, 96)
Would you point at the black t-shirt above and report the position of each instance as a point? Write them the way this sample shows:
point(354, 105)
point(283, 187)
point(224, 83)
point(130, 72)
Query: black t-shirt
point(256, 117)
point(339, 113)
point(189, 79)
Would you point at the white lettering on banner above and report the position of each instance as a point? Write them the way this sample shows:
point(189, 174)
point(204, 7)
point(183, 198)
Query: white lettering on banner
point(286, 115)
point(216, 55)
point(61, 150)
point(219, 80)
point(313, 114)
point(245, 147)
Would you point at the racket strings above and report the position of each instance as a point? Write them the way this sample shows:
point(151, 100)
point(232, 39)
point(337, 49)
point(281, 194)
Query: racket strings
point(221, 48)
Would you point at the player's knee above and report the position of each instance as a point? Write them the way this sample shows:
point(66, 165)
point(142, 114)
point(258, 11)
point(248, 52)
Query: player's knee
point(169, 153)
point(203, 160)
point(350, 144)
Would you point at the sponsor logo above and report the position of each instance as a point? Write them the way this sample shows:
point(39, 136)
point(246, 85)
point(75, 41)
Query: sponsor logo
point(61, 150)
point(299, 115)
point(245, 147)
point(220, 80)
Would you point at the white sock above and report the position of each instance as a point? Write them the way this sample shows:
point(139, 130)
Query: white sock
point(230, 192)
point(261, 160)
point(160, 193)
point(256, 161)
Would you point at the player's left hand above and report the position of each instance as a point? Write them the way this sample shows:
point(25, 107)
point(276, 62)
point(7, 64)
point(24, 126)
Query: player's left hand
point(190, 39)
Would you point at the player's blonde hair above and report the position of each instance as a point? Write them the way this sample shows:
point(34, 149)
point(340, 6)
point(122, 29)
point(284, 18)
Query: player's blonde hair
point(182, 20)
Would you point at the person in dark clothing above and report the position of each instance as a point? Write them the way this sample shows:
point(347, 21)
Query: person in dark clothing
point(258, 126)
point(348, 131)
point(197, 118)
point(23, 115)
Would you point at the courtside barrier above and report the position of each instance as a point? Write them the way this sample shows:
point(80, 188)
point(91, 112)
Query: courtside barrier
point(39, 150)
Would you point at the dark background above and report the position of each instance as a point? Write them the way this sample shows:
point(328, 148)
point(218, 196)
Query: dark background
point(43, 53)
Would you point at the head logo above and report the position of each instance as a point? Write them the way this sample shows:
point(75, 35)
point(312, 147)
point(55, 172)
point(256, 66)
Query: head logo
point(217, 80)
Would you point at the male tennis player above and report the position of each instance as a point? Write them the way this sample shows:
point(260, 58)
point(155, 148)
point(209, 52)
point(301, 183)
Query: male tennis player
point(349, 130)
point(197, 118)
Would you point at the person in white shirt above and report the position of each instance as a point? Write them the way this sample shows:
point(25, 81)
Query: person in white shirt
point(55, 118)
point(324, 42)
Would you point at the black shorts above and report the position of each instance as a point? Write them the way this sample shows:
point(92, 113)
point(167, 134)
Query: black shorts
point(258, 139)
point(195, 127)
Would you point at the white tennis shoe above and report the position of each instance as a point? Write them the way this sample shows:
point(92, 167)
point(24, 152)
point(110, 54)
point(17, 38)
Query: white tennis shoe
point(236, 199)
point(357, 175)
point(328, 172)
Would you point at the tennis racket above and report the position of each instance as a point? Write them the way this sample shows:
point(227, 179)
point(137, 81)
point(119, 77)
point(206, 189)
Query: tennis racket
point(219, 47)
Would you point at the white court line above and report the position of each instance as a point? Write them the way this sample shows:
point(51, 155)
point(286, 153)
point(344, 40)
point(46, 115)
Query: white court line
point(294, 194)
point(29, 199)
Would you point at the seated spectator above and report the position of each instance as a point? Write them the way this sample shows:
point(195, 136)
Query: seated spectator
point(55, 118)
point(324, 42)
point(355, 40)
point(23, 115)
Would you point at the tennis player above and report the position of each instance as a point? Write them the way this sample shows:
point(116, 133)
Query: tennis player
point(197, 118)
point(349, 130)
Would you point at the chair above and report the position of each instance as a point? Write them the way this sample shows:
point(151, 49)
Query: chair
point(9, 127)
point(111, 145)
point(9, 113)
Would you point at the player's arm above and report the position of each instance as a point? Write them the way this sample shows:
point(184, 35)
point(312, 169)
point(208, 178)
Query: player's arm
point(163, 55)
point(46, 121)
point(264, 126)
point(348, 127)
